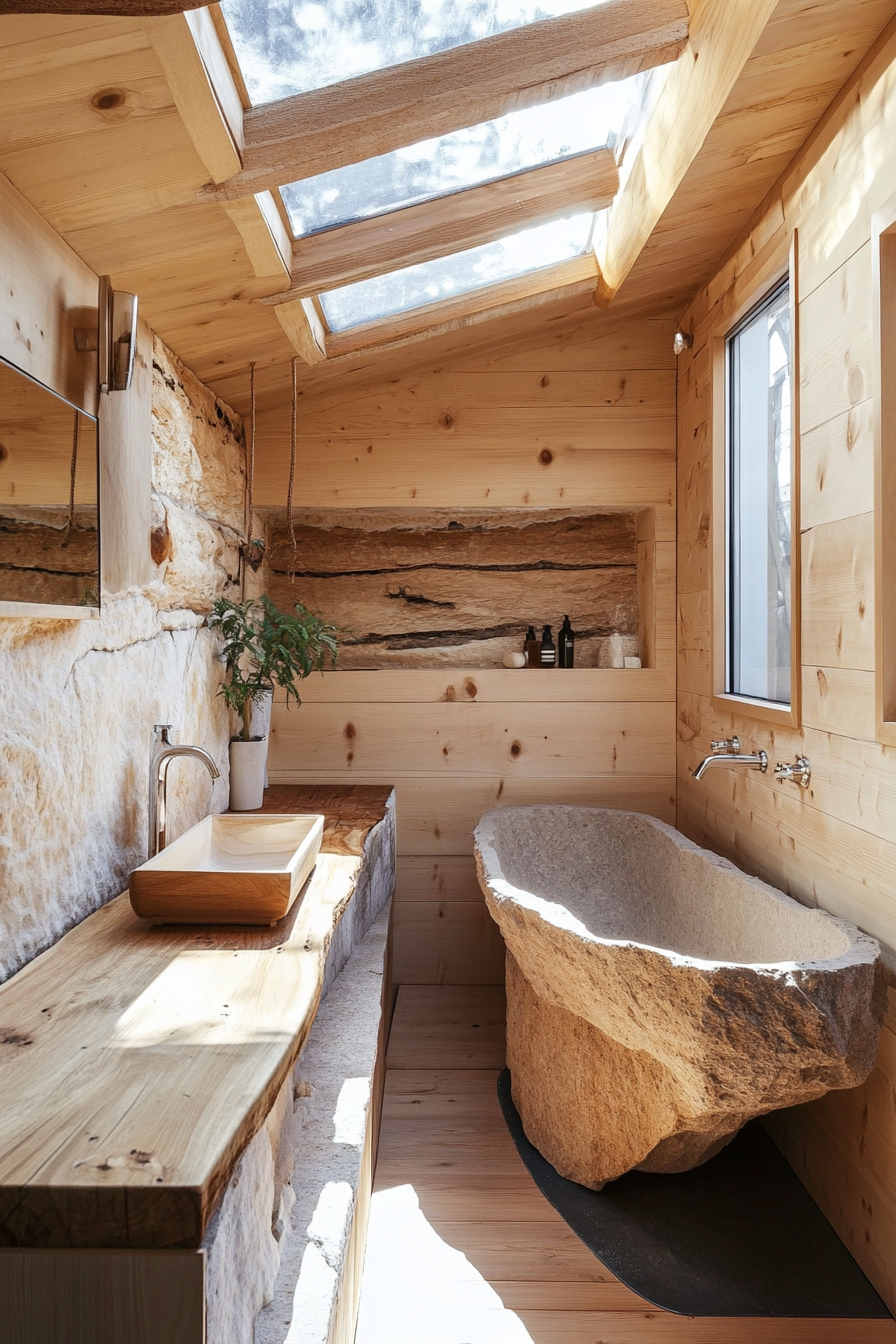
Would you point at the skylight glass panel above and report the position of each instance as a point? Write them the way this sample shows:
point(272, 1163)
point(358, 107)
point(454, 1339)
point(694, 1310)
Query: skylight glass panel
point(291, 46)
point(446, 277)
point(510, 144)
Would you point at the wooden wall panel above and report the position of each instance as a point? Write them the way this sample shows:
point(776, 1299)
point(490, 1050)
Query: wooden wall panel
point(833, 844)
point(550, 741)
point(47, 293)
point(586, 422)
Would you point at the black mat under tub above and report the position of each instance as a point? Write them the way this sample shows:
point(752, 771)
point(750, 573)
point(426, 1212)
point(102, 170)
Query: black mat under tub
point(739, 1236)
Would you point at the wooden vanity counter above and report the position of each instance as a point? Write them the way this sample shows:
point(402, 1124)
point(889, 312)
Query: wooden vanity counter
point(137, 1062)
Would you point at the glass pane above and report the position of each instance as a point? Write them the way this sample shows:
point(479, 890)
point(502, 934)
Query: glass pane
point(430, 281)
point(759, 522)
point(48, 497)
point(510, 144)
point(291, 46)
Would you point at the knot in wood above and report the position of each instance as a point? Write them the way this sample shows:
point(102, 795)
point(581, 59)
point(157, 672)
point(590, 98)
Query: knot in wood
point(112, 104)
point(546, 456)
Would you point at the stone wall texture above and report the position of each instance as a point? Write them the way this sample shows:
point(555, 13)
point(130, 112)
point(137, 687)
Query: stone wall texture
point(78, 700)
point(458, 588)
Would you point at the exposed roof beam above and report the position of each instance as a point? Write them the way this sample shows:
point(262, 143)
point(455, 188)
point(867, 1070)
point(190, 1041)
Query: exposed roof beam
point(723, 35)
point(267, 240)
point(368, 247)
point(202, 85)
point(477, 305)
point(303, 327)
point(376, 113)
point(210, 103)
point(126, 9)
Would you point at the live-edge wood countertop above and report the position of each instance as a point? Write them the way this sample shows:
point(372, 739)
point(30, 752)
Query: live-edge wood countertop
point(136, 1062)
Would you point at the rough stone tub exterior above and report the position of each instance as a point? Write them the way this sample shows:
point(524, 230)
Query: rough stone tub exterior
point(657, 997)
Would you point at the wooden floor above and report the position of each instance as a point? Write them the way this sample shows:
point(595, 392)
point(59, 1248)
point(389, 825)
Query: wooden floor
point(462, 1246)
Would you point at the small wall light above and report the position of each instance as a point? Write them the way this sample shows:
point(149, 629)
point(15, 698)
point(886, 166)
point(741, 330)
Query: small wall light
point(114, 339)
point(683, 341)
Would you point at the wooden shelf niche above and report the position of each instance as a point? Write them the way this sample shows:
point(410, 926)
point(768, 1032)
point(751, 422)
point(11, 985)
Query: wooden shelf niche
point(438, 588)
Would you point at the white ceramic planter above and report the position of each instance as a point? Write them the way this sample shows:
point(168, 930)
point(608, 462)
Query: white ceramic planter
point(247, 772)
point(260, 724)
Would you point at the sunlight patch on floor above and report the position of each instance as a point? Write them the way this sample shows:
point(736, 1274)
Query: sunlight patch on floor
point(419, 1290)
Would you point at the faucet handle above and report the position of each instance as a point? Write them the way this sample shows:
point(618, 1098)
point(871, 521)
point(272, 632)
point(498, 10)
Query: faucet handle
point(161, 731)
point(800, 771)
point(726, 744)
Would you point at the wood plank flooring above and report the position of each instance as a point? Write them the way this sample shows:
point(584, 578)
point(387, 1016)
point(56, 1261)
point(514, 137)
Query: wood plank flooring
point(462, 1246)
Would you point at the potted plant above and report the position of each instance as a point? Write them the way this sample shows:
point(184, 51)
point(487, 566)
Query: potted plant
point(264, 647)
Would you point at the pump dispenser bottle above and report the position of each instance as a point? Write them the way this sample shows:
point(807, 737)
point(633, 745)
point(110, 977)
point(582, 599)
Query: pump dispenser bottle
point(532, 648)
point(548, 651)
point(566, 644)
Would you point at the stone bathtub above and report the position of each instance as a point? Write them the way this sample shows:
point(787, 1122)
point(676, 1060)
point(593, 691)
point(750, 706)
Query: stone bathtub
point(657, 997)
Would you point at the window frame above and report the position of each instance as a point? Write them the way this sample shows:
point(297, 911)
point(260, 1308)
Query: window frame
point(883, 253)
point(767, 277)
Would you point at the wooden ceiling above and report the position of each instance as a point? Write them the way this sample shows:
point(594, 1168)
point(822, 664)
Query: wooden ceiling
point(130, 137)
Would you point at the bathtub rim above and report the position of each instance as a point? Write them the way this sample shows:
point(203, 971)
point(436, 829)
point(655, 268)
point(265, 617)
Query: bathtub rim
point(862, 949)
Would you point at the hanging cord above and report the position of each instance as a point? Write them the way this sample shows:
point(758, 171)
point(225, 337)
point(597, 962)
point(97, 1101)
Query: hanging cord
point(69, 526)
point(292, 465)
point(252, 551)
point(250, 484)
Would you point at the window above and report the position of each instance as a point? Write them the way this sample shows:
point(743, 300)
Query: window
point(430, 281)
point(759, 588)
point(883, 233)
point(291, 46)
point(520, 140)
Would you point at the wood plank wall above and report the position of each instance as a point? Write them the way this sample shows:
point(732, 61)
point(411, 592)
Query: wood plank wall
point(833, 844)
point(584, 417)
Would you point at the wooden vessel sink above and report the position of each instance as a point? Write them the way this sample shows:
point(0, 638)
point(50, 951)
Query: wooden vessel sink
point(229, 869)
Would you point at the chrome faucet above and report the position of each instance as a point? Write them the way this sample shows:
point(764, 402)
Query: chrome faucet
point(727, 752)
point(164, 750)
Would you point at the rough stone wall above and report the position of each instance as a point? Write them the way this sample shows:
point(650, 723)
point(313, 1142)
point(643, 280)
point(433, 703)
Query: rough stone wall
point(198, 478)
point(458, 587)
point(78, 700)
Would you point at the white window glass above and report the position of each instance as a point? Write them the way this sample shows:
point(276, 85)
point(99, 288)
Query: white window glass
point(759, 502)
point(446, 277)
point(291, 46)
point(510, 144)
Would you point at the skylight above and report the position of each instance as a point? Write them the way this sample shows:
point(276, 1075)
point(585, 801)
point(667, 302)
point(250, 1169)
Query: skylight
point(446, 277)
point(291, 46)
point(517, 141)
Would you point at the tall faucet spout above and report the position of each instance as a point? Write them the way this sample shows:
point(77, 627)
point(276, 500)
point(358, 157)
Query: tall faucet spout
point(756, 760)
point(162, 757)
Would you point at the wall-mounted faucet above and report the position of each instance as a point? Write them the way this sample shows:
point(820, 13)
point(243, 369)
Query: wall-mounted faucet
point(164, 750)
point(726, 751)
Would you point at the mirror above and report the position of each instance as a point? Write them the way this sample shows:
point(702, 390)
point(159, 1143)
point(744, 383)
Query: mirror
point(49, 514)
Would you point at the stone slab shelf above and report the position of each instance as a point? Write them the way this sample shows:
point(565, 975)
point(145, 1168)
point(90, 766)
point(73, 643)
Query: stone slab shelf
point(137, 1063)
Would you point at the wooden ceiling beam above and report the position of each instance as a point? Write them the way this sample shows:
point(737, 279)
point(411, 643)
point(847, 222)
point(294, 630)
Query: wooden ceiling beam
point(210, 101)
point(202, 85)
point(126, 9)
point(368, 247)
point(723, 36)
point(304, 329)
point(373, 114)
point(267, 240)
